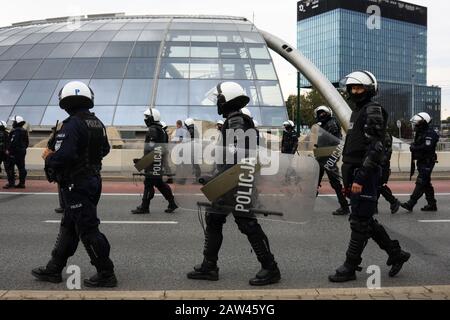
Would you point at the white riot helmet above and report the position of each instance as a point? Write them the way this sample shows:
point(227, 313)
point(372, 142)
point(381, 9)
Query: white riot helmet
point(163, 125)
point(3, 124)
point(363, 78)
point(228, 96)
point(76, 94)
point(421, 119)
point(189, 122)
point(18, 121)
point(288, 124)
point(220, 122)
point(247, 112)
point(151, 116)
point(319, 113)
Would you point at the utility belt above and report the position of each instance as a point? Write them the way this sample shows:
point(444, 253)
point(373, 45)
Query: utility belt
point(69, 177)
point(426, 160)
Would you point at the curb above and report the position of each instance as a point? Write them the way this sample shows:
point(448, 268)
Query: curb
point(394, 293)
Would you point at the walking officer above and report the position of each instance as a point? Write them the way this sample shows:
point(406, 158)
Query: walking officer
point(75, 164)
point(362, 155)
point(423, 151)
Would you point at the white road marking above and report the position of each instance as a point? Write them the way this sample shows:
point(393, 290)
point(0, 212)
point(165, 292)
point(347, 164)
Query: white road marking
point(434, 221)
point(182, 194)
point(124, 222)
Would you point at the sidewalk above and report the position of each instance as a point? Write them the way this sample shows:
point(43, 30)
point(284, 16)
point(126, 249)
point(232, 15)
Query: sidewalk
point(395, 293)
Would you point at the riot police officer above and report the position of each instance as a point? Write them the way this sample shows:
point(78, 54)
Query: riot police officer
point(289, 142)
point(423, 150)
point(361, 170)
point(219, 125)
point(4, 140)
point(75, 164)
point(17, 151)
point(156, 142)
point(231, 98)
point(331, 137)
point(190, 126)
point(384, 190)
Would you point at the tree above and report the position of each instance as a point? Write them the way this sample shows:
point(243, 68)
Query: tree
point(308, 102)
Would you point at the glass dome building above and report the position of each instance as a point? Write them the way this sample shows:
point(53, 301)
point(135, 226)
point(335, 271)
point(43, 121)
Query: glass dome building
point(136, 62)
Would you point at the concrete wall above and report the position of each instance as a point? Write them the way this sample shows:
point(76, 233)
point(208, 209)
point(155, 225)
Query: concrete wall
point(122, 160)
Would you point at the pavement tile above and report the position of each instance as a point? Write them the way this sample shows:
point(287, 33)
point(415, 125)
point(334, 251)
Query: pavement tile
point(440, 289)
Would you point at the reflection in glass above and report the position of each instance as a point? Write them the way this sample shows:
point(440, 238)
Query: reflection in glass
point(198, 92)
point(176, 50)
point(172, 92)
point(204, 50)
point(23, 70)
point(170, 115)
point(236, 69)
point(174, 69)
point(91, 50)
point(10, 92)
point(106, 91)
point(118, 49)
point(31, 114)
point(5, 66)
point(146, 49)
point(15, 52)
point(264, 70)
point(129, 115)
point(136, 92)
point(53, 114)
point(204, 69)
point(141, 68)
point(38, 92)
point(65, 50)
point(80, 68)
point(270, 93)
point(51, 69)
point(273, 116)
point(111, 68)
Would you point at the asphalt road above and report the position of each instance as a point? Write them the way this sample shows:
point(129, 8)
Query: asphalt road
point(158, 256)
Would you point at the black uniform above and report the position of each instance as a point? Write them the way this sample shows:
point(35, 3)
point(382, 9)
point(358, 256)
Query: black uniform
point(385, 191)
point(155, 141)
point(330, 138)
point(423, 151)
point(80, 147)
point(247, 223)
point(4, 140)
point(289, 142)
point(362, 157)
point(196, 167)
point(18, 144)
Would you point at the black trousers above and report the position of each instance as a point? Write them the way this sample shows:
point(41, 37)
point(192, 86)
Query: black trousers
point(16, 160)
point(333, 176)
point(362, 224)
point(423, 183)
point(384, 189)
point(152, 182)
point(80, 222)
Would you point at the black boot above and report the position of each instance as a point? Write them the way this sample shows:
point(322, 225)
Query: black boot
point(9, 186)
point(140, 210)
point(408, 206)
point(59, 210)
point(104, 279)
point(50, 273)
point(430, 208)
point(395, 206)
point(266, 276)
point(397, 262)
point(342, 211)
point(208, 270)
point(172, 207)
point(20, 186)
point(344, 273)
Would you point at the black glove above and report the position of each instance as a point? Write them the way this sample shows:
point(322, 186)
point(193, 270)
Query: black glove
point(136, 160)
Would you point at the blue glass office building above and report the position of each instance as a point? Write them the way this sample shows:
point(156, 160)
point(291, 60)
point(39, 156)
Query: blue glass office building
point(340, 36)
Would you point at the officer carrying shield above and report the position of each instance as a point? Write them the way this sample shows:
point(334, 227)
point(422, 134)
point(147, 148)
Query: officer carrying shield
point(423, 150)
point(362, 155)
point(75, 164)
point(231, 98)
point(331, 138)
point(155, 142)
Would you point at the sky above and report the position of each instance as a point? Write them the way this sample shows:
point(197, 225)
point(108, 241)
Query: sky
point(277, 17)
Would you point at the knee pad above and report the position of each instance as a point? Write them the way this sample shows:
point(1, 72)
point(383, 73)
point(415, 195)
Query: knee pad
point(248, 226)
